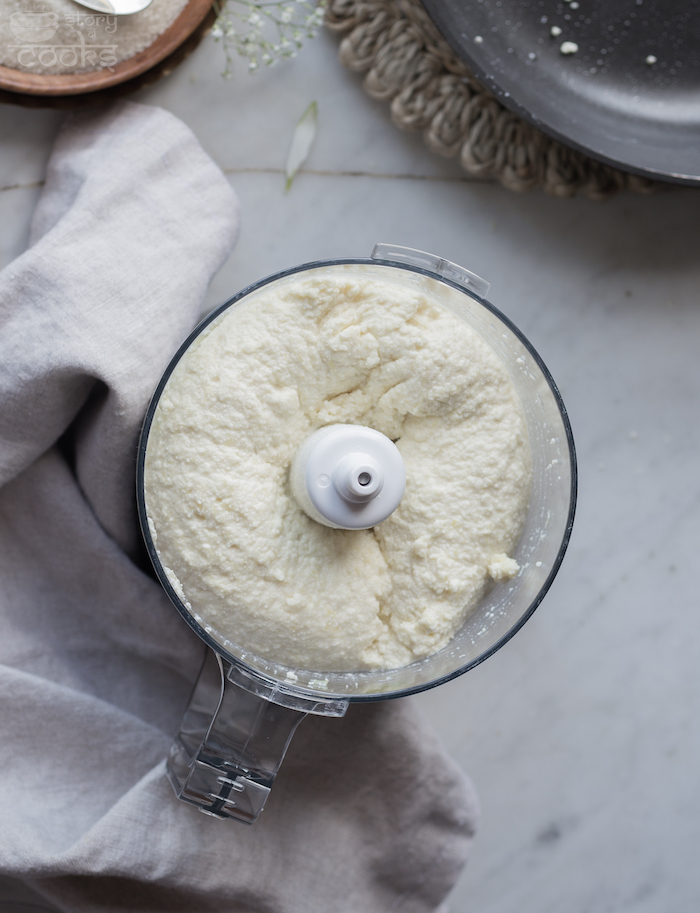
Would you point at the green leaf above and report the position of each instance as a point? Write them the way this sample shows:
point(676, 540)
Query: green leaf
point(304, 134)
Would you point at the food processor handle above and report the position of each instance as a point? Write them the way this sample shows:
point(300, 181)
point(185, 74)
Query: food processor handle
point(230, 745)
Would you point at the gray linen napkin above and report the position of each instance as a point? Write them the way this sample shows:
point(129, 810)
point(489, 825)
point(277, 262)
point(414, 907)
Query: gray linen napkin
point(368, 814)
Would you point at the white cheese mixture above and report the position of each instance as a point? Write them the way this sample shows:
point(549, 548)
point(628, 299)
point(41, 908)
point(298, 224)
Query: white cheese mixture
point(238, 549)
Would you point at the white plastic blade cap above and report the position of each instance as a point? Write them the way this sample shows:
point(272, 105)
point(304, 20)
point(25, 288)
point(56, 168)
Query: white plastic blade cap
point(348, 477)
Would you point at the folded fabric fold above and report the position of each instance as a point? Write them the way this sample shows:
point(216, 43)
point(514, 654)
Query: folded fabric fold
point(95, 664)
point(133, 222)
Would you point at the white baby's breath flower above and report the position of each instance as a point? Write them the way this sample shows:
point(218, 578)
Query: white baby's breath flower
point(265, 31)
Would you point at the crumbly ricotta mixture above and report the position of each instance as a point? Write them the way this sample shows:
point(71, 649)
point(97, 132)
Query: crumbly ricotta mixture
point(238, 549)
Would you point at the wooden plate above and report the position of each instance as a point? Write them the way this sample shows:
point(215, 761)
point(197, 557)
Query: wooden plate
point(184, 34)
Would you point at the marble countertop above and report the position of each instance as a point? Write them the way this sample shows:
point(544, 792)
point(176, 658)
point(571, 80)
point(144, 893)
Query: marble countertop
point(581, 734)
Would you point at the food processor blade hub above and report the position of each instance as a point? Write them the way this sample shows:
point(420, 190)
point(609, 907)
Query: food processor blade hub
point(348, 476)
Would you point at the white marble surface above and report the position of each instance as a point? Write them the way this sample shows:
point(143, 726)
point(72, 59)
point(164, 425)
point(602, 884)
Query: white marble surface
point(582, 733)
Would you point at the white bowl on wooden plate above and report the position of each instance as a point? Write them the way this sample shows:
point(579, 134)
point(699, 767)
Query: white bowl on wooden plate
point(46, 89)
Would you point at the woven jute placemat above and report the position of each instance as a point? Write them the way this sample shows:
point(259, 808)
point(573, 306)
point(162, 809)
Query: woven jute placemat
point(409, 64)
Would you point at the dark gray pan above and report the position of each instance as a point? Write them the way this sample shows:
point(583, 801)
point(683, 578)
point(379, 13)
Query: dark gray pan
point(605, 99)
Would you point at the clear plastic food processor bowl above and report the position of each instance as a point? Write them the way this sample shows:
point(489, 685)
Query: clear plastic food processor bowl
point(244, 709)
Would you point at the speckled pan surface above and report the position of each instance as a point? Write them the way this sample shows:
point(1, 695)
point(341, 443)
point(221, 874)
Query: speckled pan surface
point(629, 95)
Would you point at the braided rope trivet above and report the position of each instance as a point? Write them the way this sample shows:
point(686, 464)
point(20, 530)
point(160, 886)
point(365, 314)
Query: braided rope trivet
point(409, 63)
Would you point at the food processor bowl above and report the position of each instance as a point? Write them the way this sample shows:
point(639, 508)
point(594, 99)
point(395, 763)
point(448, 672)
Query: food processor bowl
point(245, 708)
